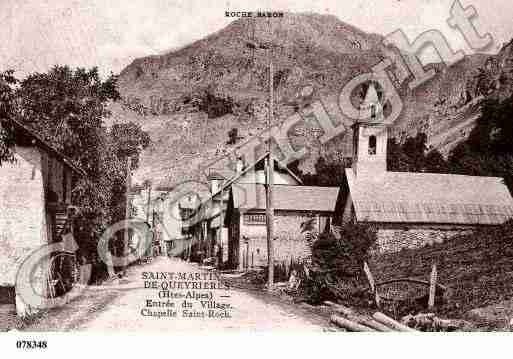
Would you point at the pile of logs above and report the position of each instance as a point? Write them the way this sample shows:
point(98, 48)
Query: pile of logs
point(429, 322)
point(349, 320)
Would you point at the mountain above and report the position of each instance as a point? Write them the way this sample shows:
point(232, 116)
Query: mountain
point(188, 99)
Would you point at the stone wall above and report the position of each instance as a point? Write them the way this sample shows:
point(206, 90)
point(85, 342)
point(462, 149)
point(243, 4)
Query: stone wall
point(22, 215)
point(289, 244)
point(22, 211)
point(392, 239)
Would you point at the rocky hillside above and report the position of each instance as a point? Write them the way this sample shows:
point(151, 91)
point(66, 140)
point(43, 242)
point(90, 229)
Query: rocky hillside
point(190, 98)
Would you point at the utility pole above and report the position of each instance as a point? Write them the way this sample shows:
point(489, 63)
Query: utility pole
point(148, 218)
point(128, 184)
point(269, 187)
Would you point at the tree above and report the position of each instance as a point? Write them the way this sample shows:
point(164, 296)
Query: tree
point(129, 139)
point(233, 136)
point(328, 173)
point(413, 156)
point(488, 151)
point(7, 110)
point(67, 107)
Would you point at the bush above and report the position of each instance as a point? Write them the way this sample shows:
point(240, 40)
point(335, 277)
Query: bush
point(215, 106)
point(336, 269)
point(233, 136)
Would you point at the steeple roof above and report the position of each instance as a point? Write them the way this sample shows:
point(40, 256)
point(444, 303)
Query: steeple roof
point(371, 110)
point(371, 97)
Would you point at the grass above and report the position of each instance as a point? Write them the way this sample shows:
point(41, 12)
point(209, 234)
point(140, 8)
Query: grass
point(477, 269)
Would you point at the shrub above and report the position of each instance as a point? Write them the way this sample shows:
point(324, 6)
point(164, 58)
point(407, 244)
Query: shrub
point(215, 106)
point(336, 269)
point(233, 136)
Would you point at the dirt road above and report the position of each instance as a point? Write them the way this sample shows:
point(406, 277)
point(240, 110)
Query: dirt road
point(119, 307)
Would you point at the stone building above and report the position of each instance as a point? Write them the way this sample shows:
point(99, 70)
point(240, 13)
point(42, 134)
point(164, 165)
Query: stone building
point(231, 225)
point(413, 209)
point(35, 201)
point(294, 205)
point(244, 217)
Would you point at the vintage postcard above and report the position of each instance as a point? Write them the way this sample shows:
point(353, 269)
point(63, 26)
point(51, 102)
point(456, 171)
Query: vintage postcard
point(185, 166)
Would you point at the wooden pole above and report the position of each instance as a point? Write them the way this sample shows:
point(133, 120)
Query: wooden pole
point(269, 188)
point(247, 254)
point(148, 202)
point(372, 283)
point(432, 286)
point(221, 226)
point(128, 185)
point(190, 248)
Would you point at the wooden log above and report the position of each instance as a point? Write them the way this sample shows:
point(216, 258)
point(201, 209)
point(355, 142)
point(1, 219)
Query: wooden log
point(340, 308)
point(350, 325)
point(374, 324)
point(432, 287)
point(389, 322)
point(358, 318)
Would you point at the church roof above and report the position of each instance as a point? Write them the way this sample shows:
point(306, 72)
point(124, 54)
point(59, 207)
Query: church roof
point(371, 97)
point(405, 197)
point(285, 197)
point(371, 110)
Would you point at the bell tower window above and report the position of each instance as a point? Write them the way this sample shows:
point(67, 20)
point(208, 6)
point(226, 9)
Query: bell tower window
point(372, 145)
point(373, 111)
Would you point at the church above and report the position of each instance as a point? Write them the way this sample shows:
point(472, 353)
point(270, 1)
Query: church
point(411, 210)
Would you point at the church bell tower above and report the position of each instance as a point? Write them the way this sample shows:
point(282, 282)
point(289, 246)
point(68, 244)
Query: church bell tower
point(370, 136)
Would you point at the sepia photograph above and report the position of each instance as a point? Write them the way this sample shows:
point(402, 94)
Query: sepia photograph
point(255, 166)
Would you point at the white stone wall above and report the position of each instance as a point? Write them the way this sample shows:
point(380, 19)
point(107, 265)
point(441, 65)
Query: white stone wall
point(289, 242)
point(22, 211)
point(390, 240)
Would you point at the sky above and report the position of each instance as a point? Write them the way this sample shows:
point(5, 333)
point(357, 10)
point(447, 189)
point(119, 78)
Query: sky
point(110, 34)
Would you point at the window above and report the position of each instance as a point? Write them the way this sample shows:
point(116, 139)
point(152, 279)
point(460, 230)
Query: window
point(372, 145)
point(373, 111)
point(254, 218)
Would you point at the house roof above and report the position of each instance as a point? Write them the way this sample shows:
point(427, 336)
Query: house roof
point(299, 198)
point(404, 197)
point(22, 130)
point(251, 166)
point(215, 175)
point(236, 177)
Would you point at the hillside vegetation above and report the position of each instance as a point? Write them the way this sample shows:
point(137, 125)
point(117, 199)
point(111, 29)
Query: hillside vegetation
point(190, 98)
point(477, 269)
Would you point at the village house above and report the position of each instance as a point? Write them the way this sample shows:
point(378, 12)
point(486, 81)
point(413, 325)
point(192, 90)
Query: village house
point(411, 210)
point(35, 203)
point(149, 206)
point(233, 218)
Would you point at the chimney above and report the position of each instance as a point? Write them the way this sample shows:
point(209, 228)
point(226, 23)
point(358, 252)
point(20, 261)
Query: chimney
point(215, 181)
point(240, 165)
